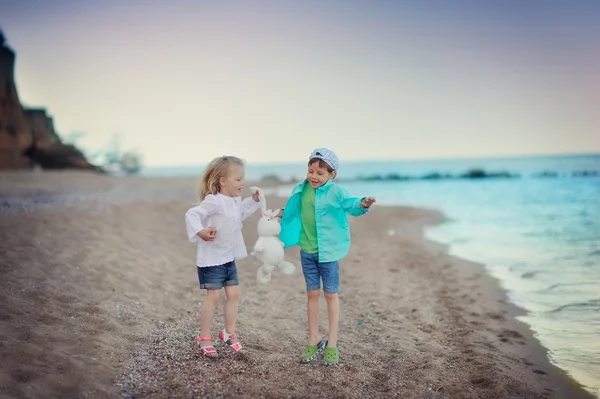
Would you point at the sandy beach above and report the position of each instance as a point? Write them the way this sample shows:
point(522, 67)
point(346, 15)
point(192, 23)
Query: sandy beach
point(99, 298)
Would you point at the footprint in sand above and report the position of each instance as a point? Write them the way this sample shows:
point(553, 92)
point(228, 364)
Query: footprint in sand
point(505, 335)
point(527, 362)
point(495, 316)
point(482, 382)
point(427, 328)
point(510, 334)
point(20, 376)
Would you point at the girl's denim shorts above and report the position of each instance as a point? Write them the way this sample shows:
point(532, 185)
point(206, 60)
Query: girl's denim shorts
point(216, 277)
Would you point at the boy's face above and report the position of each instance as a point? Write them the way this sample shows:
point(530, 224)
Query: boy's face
point(318, 175)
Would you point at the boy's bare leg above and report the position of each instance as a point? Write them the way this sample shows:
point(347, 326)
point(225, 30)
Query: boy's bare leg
point(313, 316)
point(333, 311)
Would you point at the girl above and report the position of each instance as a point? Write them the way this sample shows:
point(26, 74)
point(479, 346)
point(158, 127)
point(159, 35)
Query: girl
point(216, 225)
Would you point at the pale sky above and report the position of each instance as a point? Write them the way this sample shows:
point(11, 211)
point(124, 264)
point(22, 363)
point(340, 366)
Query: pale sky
point(185, 81)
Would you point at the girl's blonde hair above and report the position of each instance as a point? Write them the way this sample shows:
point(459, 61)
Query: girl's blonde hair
point(217, 168)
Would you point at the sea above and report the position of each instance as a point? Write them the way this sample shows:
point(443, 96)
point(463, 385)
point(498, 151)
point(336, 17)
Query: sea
point(536, 230)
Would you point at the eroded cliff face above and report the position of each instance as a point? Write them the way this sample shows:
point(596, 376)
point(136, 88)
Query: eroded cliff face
point(27, 136)
point(15, 136)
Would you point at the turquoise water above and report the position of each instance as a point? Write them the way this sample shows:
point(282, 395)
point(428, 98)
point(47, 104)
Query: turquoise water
point(540, 236)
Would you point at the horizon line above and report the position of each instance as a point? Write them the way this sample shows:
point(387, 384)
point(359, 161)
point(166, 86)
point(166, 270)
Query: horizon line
point(548, 155)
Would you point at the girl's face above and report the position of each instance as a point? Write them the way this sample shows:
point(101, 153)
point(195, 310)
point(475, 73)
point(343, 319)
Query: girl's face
point(233, 183)
point(318, 175)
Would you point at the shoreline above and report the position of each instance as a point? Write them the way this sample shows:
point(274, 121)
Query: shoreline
point(103, 319)
point(566, 385)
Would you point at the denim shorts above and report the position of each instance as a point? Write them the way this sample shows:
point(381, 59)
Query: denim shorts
point(315, 271)
point(216, 277)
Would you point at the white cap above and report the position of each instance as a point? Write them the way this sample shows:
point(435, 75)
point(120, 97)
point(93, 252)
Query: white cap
point(326, 155)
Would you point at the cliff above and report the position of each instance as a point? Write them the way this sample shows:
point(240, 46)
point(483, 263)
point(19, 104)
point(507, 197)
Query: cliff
point(27, 136)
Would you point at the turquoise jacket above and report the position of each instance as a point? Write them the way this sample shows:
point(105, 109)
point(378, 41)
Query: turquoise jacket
point(332, 206)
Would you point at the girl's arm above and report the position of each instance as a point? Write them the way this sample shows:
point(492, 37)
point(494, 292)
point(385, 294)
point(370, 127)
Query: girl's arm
point(195, 216)
point(249, 206)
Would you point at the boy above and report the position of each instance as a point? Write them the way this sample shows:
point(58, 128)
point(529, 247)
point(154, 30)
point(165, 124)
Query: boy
point(316, 218)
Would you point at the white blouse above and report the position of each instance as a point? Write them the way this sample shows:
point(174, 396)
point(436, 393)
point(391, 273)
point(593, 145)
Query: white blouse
point(226, 214)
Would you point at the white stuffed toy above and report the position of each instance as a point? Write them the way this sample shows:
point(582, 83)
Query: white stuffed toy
point(269, 249)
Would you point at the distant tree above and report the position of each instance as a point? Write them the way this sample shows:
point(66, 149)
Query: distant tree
point(130, 162)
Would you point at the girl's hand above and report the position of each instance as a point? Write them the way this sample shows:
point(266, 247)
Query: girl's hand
point(368, 202)
point(255, 197)
point(208, 234)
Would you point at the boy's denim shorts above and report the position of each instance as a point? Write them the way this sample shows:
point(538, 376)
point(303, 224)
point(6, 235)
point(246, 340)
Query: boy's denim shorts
point(216, 277)
point(315, 271)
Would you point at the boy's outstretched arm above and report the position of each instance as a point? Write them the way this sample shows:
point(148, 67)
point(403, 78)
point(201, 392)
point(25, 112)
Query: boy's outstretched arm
point(367, 202)
point(353, 205)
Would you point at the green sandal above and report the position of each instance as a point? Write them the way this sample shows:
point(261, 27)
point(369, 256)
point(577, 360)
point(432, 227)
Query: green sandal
point(332, 356)
point(312, 351)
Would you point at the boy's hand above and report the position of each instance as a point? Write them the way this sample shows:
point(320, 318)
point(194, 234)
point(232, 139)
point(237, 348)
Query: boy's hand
point(208, 234)
point(255, 197)
point(368, 202)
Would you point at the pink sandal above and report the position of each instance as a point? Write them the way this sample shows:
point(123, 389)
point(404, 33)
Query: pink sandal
point(227, 339)
point(208, 351)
